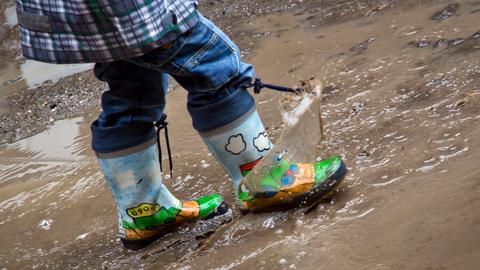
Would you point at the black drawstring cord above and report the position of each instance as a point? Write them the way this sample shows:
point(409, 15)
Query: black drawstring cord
point(258, 85)
point(162, 124)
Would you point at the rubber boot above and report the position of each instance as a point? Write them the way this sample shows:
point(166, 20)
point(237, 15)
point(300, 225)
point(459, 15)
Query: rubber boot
point(283, 183)
point(146, 208)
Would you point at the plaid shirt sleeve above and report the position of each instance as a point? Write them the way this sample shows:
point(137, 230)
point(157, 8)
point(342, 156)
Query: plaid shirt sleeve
point(96, 31)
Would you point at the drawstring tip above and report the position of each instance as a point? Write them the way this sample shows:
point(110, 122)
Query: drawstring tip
point(162, 124)
point(258, 85)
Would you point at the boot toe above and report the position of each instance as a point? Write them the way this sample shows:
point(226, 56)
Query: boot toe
point(333, 170)
point(220, 210)
point(211, 204)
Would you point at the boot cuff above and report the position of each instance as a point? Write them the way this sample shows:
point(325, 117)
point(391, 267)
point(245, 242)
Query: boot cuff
point(114, 139)
point(224, 112)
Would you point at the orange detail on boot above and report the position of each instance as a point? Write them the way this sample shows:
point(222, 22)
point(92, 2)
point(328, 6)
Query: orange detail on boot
point(304, 179)
point(303, 182)
point(137, 234)
point(190, 210)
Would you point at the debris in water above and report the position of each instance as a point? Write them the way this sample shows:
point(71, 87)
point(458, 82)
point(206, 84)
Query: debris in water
point(440, 43)
point(12, 81)
point(301, 254)
point(362, 46)
point(364, 153)
point(446, 13)
point(45, 224)
point(461, 103)
point(455, 42)
point(357, 107)
point(422, 43)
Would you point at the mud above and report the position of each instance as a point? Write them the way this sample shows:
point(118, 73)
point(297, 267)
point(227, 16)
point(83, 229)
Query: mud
point(404, 118)
point(34, 94)
point(18, 75)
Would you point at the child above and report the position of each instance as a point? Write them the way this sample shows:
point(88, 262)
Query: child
point(135, 44)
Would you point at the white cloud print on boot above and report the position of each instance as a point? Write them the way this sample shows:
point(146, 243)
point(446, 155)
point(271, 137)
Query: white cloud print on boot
point(262, 142)
point(236, 144)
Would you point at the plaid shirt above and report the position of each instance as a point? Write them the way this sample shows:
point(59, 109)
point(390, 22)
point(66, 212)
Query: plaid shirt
point(95, 31)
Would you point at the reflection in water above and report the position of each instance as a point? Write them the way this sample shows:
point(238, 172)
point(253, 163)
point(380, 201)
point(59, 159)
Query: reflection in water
point(56, 143)
point(31, 73)
point(10, 16)
point(35, 72)
point(14, 77)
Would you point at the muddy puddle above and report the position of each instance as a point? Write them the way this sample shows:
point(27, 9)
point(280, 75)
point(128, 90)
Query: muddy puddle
point(16, 75)
point(404, 116)
point(31, 74)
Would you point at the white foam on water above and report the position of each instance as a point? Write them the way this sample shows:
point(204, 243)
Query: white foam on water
point(291, 118)
point(388, 182)
point(82, 236)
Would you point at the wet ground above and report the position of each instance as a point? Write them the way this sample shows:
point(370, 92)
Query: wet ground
point(60, 90)
point(400, 104)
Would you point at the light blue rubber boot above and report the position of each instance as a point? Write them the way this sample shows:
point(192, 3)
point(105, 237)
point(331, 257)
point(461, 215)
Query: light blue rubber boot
point(282, 183)
point(146, 208)
point(239, 146)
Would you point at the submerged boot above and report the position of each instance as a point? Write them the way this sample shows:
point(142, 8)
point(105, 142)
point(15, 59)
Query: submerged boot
point(146, 209)
point(241, 145)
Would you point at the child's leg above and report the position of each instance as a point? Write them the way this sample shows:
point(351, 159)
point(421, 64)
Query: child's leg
point(208, 65)
point(124, 140)
point(136, 99)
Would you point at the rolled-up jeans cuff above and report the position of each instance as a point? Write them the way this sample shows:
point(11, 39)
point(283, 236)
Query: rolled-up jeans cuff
point(221, 113)
point(112, 139)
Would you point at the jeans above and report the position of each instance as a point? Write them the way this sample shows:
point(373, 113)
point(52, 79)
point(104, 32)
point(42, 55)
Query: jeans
point(204, 61)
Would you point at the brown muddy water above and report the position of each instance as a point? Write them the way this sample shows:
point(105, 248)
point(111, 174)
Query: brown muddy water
point(33, 94)
point(404, 117)
point(30, 73)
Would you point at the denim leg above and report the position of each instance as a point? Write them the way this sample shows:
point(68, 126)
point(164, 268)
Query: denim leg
point(207, 64)
point(135, 99)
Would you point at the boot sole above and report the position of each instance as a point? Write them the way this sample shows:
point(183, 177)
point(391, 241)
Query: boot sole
point(135, 245)
point(319, 193)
